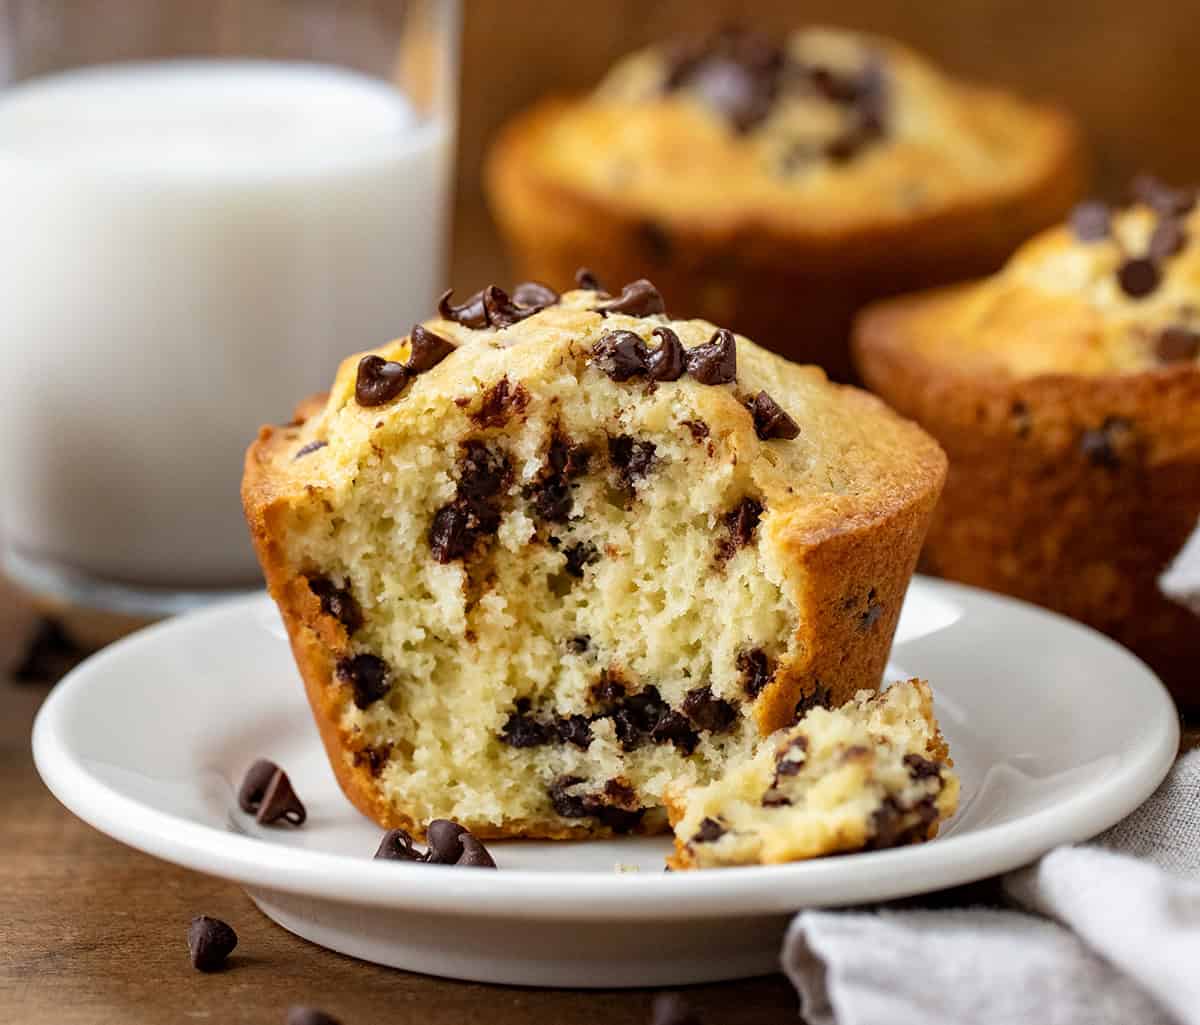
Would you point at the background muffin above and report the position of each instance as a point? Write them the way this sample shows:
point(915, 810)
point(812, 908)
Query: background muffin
point(754, 178)
point(1066, 391)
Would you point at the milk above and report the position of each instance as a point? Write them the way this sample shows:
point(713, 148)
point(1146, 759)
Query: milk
point(188, 248)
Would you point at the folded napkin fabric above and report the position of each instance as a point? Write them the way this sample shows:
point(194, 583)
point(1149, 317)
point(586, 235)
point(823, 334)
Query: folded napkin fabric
point(1102, 934)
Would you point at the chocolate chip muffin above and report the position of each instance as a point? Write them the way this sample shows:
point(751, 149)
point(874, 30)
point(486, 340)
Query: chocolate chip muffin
point(872, 774)
point(776, 186)
point(1066, 390)
point(547, 554)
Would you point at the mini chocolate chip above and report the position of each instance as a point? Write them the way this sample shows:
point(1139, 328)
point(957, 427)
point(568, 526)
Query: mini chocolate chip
point(1167, 239)
point(888, 827)
point(1177, 343)
point(1103, 446)
point(569, 806)
point(534, 293)
point(210, 941)
point(819, 697)
point(638, 299)
point(676, 729)
point(444, 840)
point(697, 428)
point(1091, 221)
point(579, 644)
point(499, 402)
point(483, 472)
point(309, 1016)
point(621, 793)
point(631, 458)
point(786, 763)
point(379, 380)
point(254, 784)
point(451, 535)
point(672, 1009)
point(337, 602)
point(426, 350)
point(709, 832)
point(588, 281)
point(522, 730)
point(756, 670)
point(714, 362)
point(1161, 197)
point(666, 363)
point(503, 311)
point(921, 768)
point(574, 729)
point(375, 758)
point(770, 421)
point(311, 447)
point(474, 854)
point(579, 555)
point(368, 675)
point(708, 712)
point(1138, 277)
point(470, 314)
point(742, 521)
point(871, 614)
point(620, 355)
point(397, 845)
point(578, 806)
point(280, 803)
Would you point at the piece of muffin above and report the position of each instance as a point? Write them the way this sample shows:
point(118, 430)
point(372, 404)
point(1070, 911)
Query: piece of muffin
point(752, 179)
point(549, 553)
point(874, 773)
point(1066, 390)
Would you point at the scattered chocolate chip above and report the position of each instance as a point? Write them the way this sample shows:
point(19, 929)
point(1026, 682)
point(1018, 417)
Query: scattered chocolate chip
point(672, 1009)
point(311, 447)
point(621, 355)
point(819, 697)
point(637, 299)
point(280, 803)
point(740, 523)
point(1091, 221)
point(368, 675)
point(674, 728)
point(1161, 197)
point(210, 941)
point(309, 1016)
point(921, 768)
point(574, 729)
point(444, 840)
point(579, 555)
point(1105, 445)
point(474, 854)
point(503, 311)
point(579, 644)
point(632, 459)
point(666, 363)
point(1177, 343)
point(426, 350)
point(397, 845)
point(254, 784)
point(49, 654)
point(534, 293)
point(337, 602)
point(379, 380)
point(707, 711)
point(1167, 239)
point(709, 832)
point(770, 421)
point(697, 428)
point(756, 670)
point(588, 281)
point(499, 402)
point(714, 362)
point(1138, 277)
point(470, 314)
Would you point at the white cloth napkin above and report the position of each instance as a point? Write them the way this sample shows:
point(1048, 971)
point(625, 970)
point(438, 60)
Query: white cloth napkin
point(1105, 934)
point(1181, 580)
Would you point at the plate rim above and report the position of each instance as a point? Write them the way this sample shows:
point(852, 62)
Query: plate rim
point(581, 896)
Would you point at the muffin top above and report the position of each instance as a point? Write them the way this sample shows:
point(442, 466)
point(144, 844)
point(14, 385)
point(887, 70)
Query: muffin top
point(824, 131)
point(1109, 292)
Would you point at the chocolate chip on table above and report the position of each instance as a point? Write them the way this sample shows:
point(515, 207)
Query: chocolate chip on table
point(708, 711)
point(254, 785)
point(471, 314)
point(1161, 197)
point(667, 362)
point(637, 299)
point(379, 380)
point(397, 845)
point(588, 281)
point(444, 840)
point(1167, 239)
point(210, 941)
point(309, 449)
point(1177, 344)
point(337, 602)
point(1091, 221)
point(710, 831)
point(770, 421)
point(1138, 277)
point(756, 670)
point(426, 350)
point(714, 362)
point(621, 355)
point(280, 803)
point(368, 675)
point(298, 1015)
point(672, 1009)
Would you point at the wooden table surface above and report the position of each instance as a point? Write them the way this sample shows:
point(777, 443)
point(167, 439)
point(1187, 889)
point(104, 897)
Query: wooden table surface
point(93, 933)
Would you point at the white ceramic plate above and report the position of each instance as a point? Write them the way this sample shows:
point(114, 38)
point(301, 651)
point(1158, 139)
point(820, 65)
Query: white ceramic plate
point(1056, 731)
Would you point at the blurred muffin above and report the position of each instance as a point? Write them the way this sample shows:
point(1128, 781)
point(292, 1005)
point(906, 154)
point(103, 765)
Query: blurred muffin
point(754, 180)
point(1066, 391)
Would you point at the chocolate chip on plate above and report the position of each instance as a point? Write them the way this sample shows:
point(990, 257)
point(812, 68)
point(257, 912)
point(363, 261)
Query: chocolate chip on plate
point(397, 845)
point(379, 380)
point(444, 840)
point(1138, 277)
point(368, 675)
point(309, 1016)
point(1177, 344)
point(474, 854)
point(280, 803)
point(210, 941)
point(714, 362)
point(426, 350)
point(770, 420)
point(638, 299)
point(254, 784)
point(667, 362)
point(1091, 221)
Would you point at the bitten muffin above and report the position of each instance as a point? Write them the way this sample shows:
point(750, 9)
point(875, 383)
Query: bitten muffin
point(1066, 390)
point(752, 179)
point(549, 553)
point(872, 774)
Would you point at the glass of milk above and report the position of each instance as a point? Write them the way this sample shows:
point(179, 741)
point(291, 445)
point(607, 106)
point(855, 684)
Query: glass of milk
point(203, 214)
